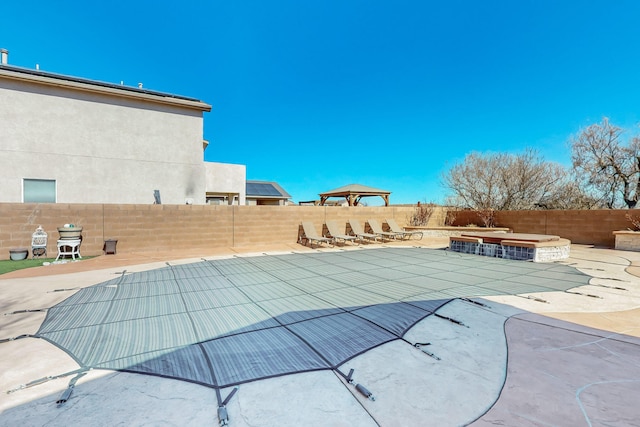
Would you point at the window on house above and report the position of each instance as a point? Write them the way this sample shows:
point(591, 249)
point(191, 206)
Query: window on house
point(39, 190)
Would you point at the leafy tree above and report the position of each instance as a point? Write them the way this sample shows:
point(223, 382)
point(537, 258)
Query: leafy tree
point(607, 166)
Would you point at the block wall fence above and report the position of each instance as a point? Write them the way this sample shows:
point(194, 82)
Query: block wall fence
point(147, 228)
point(590, 227)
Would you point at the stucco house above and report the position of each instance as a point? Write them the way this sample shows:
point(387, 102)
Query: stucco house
point(225, 183)
point(72, 140)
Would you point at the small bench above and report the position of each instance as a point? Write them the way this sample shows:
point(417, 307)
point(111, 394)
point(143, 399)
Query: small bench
point(497, 237)
point(69, 247)
point(520, 243)
point(546, 244)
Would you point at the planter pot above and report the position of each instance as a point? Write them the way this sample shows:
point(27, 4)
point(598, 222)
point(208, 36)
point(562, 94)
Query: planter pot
point(69, 232)
point(18, 254)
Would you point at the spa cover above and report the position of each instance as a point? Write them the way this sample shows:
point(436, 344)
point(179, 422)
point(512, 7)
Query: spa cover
point(225, 322)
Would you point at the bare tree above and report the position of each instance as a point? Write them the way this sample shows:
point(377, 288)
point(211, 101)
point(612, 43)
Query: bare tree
point(488, 217)
point(492, 182)
point(608, 168)
point(570, 195)
point(450, 216)
point(422, 214)
point(474, 182)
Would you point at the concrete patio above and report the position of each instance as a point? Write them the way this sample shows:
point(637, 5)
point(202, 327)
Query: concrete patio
point(547, 358)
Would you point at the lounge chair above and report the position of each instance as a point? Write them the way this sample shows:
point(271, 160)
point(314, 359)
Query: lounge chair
point(310, 234)
point(337, 234)
point(358, 231)
point(393, 226)
point(377, 229)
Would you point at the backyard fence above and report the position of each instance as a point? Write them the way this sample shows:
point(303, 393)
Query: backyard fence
point(144, 228)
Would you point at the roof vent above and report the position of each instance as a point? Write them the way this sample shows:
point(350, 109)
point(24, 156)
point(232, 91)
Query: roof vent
point(4, 56)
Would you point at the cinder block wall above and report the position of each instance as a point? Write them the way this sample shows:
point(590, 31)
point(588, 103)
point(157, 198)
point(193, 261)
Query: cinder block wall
point(592, 227)
point(18, 222)
point(143, 228)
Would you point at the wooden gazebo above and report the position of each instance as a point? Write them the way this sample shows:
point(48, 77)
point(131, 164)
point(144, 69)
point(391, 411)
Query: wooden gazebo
point(354, 192)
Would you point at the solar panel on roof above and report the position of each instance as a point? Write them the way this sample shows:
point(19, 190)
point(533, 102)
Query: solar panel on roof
point(262, 189)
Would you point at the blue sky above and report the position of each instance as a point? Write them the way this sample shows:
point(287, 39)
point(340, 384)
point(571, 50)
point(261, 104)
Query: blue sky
point(317, 95)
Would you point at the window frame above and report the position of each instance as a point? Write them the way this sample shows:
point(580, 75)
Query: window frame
point(41, 180)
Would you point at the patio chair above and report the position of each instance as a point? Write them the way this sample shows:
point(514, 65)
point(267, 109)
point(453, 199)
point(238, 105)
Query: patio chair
point(334, 231)
point(393, 226)
point(358, 231)
point(377, 229)
point(310, 235)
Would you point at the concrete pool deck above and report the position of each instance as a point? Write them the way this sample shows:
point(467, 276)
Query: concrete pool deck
point(573, 359)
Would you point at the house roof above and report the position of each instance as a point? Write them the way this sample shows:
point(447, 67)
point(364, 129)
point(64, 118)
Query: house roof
point(354, 192)
point(265, 190)
point(87, 85)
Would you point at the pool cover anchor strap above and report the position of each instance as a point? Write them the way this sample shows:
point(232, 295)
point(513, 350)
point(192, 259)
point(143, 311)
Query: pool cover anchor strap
point(481, 304)
point(419, 346)
point(531, 297)
point(30, 384)
point(450, 319)
point(223, 416)
point(609, 287)
point(66, 395)
point(586, 295)
point(362, 389)
point(44, 380)
point(63, 290)
point(16, 338)
point(35, 310)
point(75, 289)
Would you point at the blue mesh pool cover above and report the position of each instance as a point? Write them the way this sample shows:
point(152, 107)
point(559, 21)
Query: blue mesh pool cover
point(229, 321)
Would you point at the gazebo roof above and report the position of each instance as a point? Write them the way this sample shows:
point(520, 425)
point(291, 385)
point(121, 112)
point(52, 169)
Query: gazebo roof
point(354, 192)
